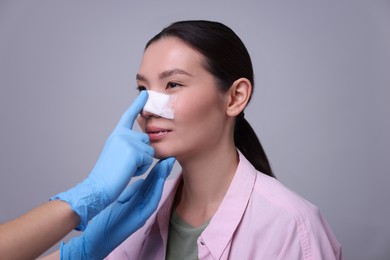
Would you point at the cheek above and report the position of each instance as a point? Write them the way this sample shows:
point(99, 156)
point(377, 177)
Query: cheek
point(187, 110)
point(193, 109)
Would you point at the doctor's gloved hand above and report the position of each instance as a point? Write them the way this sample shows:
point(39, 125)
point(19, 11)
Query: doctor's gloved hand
point(122, 218)
point(126, 153)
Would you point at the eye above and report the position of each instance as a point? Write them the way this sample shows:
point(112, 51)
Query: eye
point(173, 85)
point(140, 88)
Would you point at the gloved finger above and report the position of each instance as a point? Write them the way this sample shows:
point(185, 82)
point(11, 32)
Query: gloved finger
point(153, 196)
point(129, 134)
point(160, 171)
point(130, 190)
point(142, 169)
point(128, 118)
point(128, 141)
point(145, 201)
point(163, 167)
point(144, 161)
point(141, 147)
point(140, 136)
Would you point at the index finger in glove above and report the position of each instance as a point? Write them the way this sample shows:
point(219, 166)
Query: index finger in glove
point(151, 190)
point(161, 170)
point(128, 118)
point(129, 192)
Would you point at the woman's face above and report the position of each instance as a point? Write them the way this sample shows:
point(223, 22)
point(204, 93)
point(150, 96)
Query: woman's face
point(172, 67)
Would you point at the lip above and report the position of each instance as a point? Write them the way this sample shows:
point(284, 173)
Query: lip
point(156, 133)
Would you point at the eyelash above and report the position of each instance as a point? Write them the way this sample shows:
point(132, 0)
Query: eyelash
point(140, 88)
point(169, 85)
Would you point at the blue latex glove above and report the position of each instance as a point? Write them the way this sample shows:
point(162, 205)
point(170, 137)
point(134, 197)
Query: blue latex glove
point(126, 153)
point(118, 221)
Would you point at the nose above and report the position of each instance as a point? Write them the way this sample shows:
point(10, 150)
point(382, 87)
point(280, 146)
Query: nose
point(147, 114)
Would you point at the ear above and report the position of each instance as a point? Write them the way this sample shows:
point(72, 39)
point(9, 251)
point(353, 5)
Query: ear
point(239, 95)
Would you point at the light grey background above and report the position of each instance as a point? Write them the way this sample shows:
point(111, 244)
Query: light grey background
point(321, 105)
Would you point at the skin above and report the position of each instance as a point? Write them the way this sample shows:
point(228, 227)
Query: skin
point(201, 134)
point(33, 233)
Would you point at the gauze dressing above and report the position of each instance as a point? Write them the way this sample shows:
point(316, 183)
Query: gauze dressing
point(160, 104)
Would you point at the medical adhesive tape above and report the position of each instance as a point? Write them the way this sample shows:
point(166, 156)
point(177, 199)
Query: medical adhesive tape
point(160, 104)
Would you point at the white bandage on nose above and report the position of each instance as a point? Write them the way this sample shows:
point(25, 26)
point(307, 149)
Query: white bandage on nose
point(160, 104)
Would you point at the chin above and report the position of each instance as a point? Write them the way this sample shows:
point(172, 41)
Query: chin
point(158, 154)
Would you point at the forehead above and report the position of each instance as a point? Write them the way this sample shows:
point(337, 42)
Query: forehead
point(171, 52)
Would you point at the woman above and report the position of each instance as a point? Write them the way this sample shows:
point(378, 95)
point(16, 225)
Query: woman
point(226, 203)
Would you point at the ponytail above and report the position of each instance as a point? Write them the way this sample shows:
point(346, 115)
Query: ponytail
point(249, 145)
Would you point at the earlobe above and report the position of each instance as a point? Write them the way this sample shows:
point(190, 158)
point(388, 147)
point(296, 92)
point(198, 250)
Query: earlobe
point(239, 95)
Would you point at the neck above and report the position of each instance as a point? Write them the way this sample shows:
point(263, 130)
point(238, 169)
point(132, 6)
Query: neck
point(206, 178)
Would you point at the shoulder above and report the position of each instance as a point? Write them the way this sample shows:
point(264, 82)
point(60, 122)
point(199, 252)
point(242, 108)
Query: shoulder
point(278, 196)
point(282, 206)
point(270, 192)
point(279, 217)
point(293, 218)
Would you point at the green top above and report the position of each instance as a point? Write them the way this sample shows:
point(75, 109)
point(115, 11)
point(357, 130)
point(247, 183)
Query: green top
point(182, 239)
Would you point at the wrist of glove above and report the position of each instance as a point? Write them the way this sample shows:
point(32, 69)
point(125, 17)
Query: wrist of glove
point(86, 199)
point(122, 218)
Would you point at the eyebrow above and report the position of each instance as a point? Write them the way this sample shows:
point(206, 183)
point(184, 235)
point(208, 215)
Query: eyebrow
point(165, 74)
